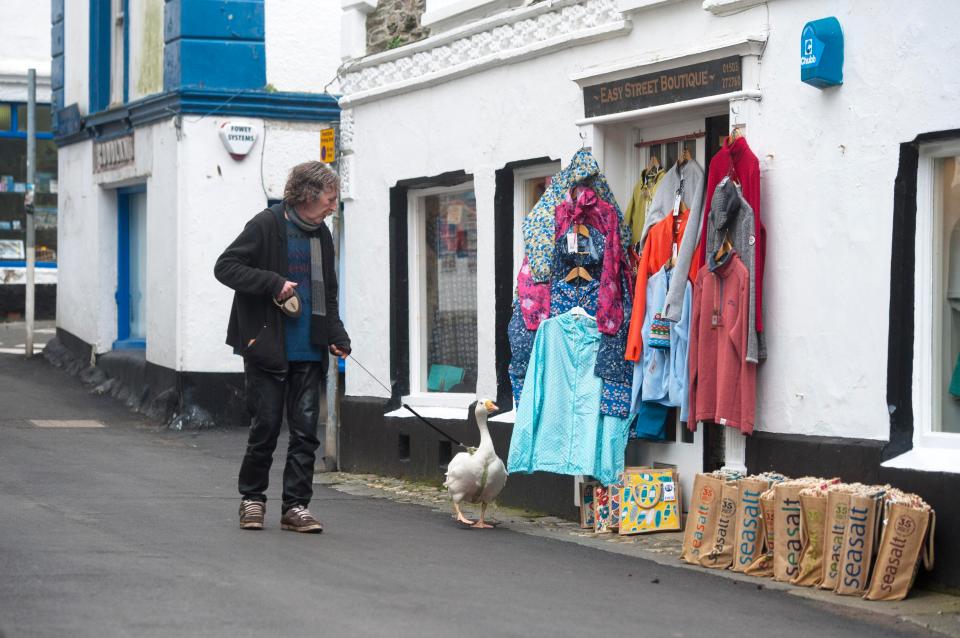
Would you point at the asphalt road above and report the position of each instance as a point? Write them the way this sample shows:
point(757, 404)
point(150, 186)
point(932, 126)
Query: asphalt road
point(131, 530)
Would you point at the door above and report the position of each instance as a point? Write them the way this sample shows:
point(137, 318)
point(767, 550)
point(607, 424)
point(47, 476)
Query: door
point(131, 293)
point(667, 143)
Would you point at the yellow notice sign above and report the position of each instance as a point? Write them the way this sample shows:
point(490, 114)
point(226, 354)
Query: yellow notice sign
point(328, 151)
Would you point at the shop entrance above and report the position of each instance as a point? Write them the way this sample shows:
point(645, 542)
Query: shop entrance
point(663, 144)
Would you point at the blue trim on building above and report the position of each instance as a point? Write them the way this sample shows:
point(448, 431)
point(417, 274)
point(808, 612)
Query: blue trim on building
point(130, 344)
point(303, 107)
point(214, 44)
point(57, 59)
point(123, 266)
point(20, 263)
point(100, 32)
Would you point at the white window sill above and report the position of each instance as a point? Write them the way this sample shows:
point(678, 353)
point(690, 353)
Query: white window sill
point(506, 417)
point(928, 459)
point(435, 405)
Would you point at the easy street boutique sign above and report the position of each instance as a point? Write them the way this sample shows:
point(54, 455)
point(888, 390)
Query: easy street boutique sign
point(713, 77)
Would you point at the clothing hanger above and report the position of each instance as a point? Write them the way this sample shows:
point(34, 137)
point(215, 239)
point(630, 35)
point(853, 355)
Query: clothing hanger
point(578, 311)
point(578, 272)
point(724, 249)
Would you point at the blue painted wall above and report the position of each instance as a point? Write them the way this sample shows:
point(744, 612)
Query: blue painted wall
point(214, 44)
point(100, 32)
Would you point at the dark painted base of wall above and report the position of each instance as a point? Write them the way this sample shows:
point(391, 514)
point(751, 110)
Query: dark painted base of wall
point(182, 400)
point(13, 299)
point(859, 460)
point(405, 447)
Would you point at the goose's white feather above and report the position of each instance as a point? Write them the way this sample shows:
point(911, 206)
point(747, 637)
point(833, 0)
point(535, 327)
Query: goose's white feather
point(477, 476)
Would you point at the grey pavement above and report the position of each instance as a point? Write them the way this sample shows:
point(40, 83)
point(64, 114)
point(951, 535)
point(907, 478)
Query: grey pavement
point(13, 336)
point(130, 530)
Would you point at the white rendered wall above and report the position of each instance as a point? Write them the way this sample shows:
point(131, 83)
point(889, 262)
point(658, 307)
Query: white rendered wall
point(145, 69)
point(76, 52)
point(828, 162)
point(303, 43)
point(86, 251)
point(25, 44)
point(218, 196)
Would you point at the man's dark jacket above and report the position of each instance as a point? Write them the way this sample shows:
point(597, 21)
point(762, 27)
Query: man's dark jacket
point(255, 265)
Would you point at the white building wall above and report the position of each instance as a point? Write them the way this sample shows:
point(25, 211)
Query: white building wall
point(86, 251)
point(76, 53)
point(145, 70)
point(303, 43)
point(828, 162)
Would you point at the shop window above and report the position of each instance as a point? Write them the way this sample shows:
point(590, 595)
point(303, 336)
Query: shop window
point(937, 307)
point(131, 267)
point(530, 182)
point(443, 291)
point(13, 177)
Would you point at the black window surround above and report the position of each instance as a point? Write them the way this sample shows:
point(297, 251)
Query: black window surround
point(903, 259)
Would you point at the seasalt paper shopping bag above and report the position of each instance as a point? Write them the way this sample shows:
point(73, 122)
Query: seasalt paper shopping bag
point(858, 541)
point(763, 566)
point(748, 538)
point(813, 506)
point(702, 517)
point(901, 546)
point(720, 554)
point(786, 555)
point(838, 502)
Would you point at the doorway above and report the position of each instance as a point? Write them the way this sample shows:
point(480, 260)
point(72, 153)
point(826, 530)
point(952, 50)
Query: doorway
point(131, 295)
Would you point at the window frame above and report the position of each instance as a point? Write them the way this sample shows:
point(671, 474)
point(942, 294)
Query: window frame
point(928, 276)
point(521, 176)
point(417, 276)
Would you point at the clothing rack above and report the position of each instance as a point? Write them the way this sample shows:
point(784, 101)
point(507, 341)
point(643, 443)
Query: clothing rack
point(669, 140)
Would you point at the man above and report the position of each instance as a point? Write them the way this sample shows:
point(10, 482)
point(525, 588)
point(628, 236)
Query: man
point(283, 251)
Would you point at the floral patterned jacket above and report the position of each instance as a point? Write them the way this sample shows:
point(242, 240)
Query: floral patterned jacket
point(539, 225)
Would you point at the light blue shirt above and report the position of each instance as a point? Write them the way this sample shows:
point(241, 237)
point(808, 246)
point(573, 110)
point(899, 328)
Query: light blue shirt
point(559, 427)
point(661, 375)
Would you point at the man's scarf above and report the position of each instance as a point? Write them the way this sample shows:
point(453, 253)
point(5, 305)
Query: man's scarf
point(318, 301)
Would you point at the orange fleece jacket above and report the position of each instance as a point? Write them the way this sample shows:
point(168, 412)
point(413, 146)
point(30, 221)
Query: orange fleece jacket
point(657, 250)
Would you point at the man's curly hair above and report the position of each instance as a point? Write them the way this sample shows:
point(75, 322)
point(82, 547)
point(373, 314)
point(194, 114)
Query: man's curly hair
point(307, 181)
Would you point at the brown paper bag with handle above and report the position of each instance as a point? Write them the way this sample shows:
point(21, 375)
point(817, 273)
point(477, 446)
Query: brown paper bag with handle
point(748, 535)
point(838, 502)
point(906, 528)
point(702, 517)
point(763, 565)
point(813, 507)
point(786, 554)
point(858, 543)
point(720, 555)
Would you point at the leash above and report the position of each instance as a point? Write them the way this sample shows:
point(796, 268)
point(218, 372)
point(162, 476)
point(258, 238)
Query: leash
point(407, 407)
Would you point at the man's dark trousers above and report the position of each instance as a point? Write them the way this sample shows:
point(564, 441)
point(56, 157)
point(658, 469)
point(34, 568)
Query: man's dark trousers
point(267, 394)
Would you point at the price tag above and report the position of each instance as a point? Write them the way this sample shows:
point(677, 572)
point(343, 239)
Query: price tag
point(572, 242)
point(676, 204)
point(669, 491)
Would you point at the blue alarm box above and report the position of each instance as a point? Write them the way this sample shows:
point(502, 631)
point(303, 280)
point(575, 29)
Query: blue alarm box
point(821, 53)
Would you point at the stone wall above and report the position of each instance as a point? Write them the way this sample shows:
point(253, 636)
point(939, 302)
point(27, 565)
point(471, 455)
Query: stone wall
point(395, 23)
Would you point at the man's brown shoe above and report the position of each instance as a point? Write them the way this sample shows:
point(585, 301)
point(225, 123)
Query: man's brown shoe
point(251, 514)
point(299, 519)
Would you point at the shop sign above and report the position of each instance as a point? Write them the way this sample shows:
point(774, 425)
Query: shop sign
point(239, 137)
point(111, 154)
point(328, 152)
point(713, 77)
point(821, 53)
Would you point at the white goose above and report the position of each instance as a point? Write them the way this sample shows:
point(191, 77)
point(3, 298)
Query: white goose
point(477, 475)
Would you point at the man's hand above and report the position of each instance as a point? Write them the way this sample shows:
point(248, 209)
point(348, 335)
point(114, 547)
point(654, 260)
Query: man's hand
point(338, 351)
point(287, 292)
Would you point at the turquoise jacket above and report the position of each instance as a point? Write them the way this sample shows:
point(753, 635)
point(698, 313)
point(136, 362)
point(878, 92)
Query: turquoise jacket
point(559, 427)
point(661, 376)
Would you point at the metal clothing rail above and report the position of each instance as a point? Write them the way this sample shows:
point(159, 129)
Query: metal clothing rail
point(670, 140)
